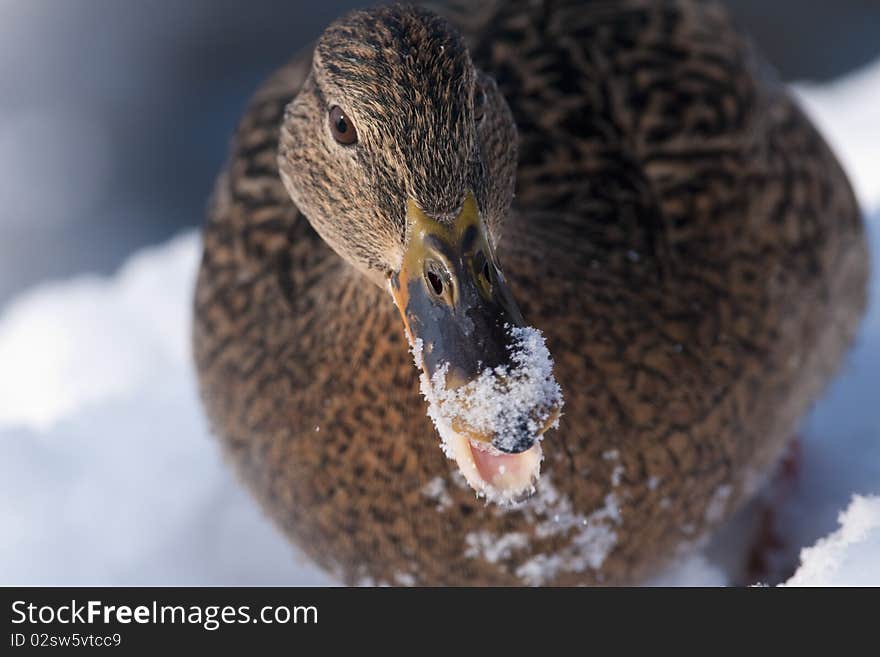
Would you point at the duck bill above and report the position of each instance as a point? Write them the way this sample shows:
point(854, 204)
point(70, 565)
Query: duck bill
point(487, 377)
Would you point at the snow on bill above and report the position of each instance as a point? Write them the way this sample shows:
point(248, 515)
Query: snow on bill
point(497, 403)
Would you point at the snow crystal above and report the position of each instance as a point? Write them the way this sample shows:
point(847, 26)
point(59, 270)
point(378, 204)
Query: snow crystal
point(458, 480)
point(435, 490)
point(588, 548)
point(416, 350)
point(592, 536)
point(497, 403)
point(500, 398)
point(589, 537)
point(405, 579)
point(493, 548)
point(717, 505)
point(848, 557)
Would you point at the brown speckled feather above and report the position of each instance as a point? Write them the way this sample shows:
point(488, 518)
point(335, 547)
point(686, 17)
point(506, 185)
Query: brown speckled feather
point(681, 234)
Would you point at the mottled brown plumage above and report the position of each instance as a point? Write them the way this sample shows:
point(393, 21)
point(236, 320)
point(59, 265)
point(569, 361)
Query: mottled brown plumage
point(680, 232)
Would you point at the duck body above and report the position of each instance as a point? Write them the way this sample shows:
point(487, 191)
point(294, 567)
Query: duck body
point(681, 234)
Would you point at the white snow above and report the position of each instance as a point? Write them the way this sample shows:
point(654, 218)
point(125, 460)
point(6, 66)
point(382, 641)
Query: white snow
point(497, 403)
point(69, 346)
point(588, 538)
point(108, 474)
point(592, 539)
point(846, 113)
point(494, 548)
point(500, 398)
point(435, 490)
point(848, 557)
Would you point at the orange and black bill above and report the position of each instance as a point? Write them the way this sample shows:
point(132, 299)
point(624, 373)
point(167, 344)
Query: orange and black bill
point(454, 299)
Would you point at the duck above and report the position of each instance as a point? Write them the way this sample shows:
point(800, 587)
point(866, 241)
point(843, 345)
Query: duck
point(520, 293)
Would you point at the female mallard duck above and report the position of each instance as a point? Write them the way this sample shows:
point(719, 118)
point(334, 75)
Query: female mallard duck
point(681, 235)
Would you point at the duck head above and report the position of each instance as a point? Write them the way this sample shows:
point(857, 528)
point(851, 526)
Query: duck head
point(402, 155)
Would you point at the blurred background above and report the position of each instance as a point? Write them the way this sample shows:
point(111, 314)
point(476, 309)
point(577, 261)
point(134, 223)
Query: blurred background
point(115, 116)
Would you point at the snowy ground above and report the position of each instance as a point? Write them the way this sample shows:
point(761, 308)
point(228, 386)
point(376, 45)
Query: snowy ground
point(108, 475)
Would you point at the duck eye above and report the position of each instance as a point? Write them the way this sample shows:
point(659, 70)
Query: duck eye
point(342, 127)
point(479, 104)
